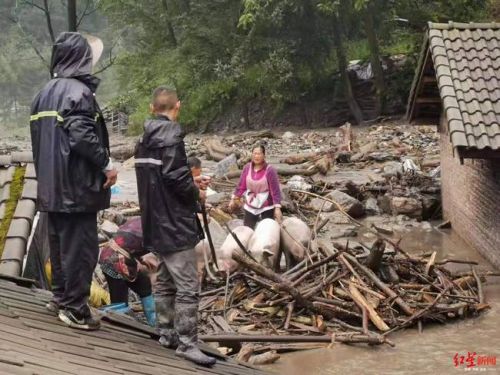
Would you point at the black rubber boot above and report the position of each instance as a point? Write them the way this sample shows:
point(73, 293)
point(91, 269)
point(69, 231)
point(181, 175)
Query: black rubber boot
point(186, 324)
point(165, 313)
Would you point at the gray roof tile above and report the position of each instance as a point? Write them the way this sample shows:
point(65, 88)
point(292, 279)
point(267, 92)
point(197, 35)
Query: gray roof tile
point(20, 225)
point(30, 171)
point(14, 248)
point(19, 228)
point(5, 193)
point(466, 58)
point(22, 157)
point(29, 190)
point(10, 267)
point(6, 175)
point(5, 159)
point(25, 210)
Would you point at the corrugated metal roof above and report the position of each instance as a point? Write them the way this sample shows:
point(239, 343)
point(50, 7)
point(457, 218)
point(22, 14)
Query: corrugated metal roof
point(466, 60)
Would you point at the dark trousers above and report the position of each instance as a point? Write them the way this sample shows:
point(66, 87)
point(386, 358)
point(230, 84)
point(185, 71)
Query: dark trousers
point(250, 220)
point(74, 250)
point(118, 288)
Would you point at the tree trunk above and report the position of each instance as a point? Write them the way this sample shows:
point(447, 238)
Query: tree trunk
point(170, 29)
point(49, 21)
point(344, 75)
point(246, 114)
point(378, 72)
point(72, 20)
point(185, 6)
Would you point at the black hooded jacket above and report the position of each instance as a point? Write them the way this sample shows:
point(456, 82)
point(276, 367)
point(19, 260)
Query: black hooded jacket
point(167, 193)
point(68, 134)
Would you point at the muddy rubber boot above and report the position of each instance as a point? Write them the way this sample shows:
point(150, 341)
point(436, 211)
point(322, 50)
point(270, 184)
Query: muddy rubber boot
point(186, 324)
point(165, 313)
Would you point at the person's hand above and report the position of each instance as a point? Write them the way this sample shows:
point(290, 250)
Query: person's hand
point(149, 262)
point(278, 215)
point(233, 204)
point(203, 196)
point(111, 177)
point(205, 181)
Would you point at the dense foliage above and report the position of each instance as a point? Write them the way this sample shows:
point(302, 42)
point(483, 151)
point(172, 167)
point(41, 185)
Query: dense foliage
point(222, 54)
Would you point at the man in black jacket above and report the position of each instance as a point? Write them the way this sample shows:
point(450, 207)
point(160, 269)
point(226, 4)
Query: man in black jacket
point(74, 171)
point(168, 198)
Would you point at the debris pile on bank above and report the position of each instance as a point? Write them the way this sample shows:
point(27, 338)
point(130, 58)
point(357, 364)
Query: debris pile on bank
point(348, 295)
point(376, 183)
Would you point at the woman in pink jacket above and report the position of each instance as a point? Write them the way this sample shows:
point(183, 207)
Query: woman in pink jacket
point(260, 188)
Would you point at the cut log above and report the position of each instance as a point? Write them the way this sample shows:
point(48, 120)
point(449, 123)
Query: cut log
point(245, 353)
point(264, 358)
point(216, 150)
point(299, 158)
point(307, 156)
point(363, 304)
point(284, 170)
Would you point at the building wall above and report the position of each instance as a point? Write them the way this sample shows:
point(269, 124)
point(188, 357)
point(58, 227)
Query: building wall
point(471, 199)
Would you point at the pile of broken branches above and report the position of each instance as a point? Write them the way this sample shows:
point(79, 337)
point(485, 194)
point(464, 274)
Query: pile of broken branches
point(347, 295)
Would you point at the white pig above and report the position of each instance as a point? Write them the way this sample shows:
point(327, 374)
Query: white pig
point(265, 242)
point(200, 248)
point(295, 238)
point(218, 235)
point(235, 223)
point(225, 253)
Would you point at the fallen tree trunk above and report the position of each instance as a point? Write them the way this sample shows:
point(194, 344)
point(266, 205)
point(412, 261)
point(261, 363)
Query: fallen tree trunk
point(284, 170)
point(306, 156)
point(216, 150)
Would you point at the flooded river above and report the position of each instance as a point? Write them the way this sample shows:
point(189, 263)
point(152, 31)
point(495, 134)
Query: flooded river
point(432, 351)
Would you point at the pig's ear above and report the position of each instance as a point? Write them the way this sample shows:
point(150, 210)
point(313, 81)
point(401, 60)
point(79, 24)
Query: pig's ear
point(267, 252)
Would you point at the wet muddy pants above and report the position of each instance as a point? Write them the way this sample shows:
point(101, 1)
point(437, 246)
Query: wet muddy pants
point(176, 296)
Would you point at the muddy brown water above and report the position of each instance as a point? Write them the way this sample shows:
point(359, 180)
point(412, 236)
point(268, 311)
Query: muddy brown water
point(432, 351)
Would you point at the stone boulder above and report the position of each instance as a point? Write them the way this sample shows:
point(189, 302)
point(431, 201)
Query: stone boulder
point(407, 206)
point(371, 207)
point(351, 205)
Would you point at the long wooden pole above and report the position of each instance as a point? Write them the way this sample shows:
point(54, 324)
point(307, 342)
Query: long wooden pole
point(350, 338)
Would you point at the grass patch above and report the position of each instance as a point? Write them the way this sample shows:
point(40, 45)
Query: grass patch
point(16, 188)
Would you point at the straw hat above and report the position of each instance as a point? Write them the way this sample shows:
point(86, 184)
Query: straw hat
point(97, 47)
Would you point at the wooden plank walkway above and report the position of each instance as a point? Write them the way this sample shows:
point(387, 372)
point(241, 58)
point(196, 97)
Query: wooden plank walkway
point(32, 341)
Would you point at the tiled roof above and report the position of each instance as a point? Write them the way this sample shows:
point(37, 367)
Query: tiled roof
point(466, 61)
point(20, 225)
point(35, 342)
